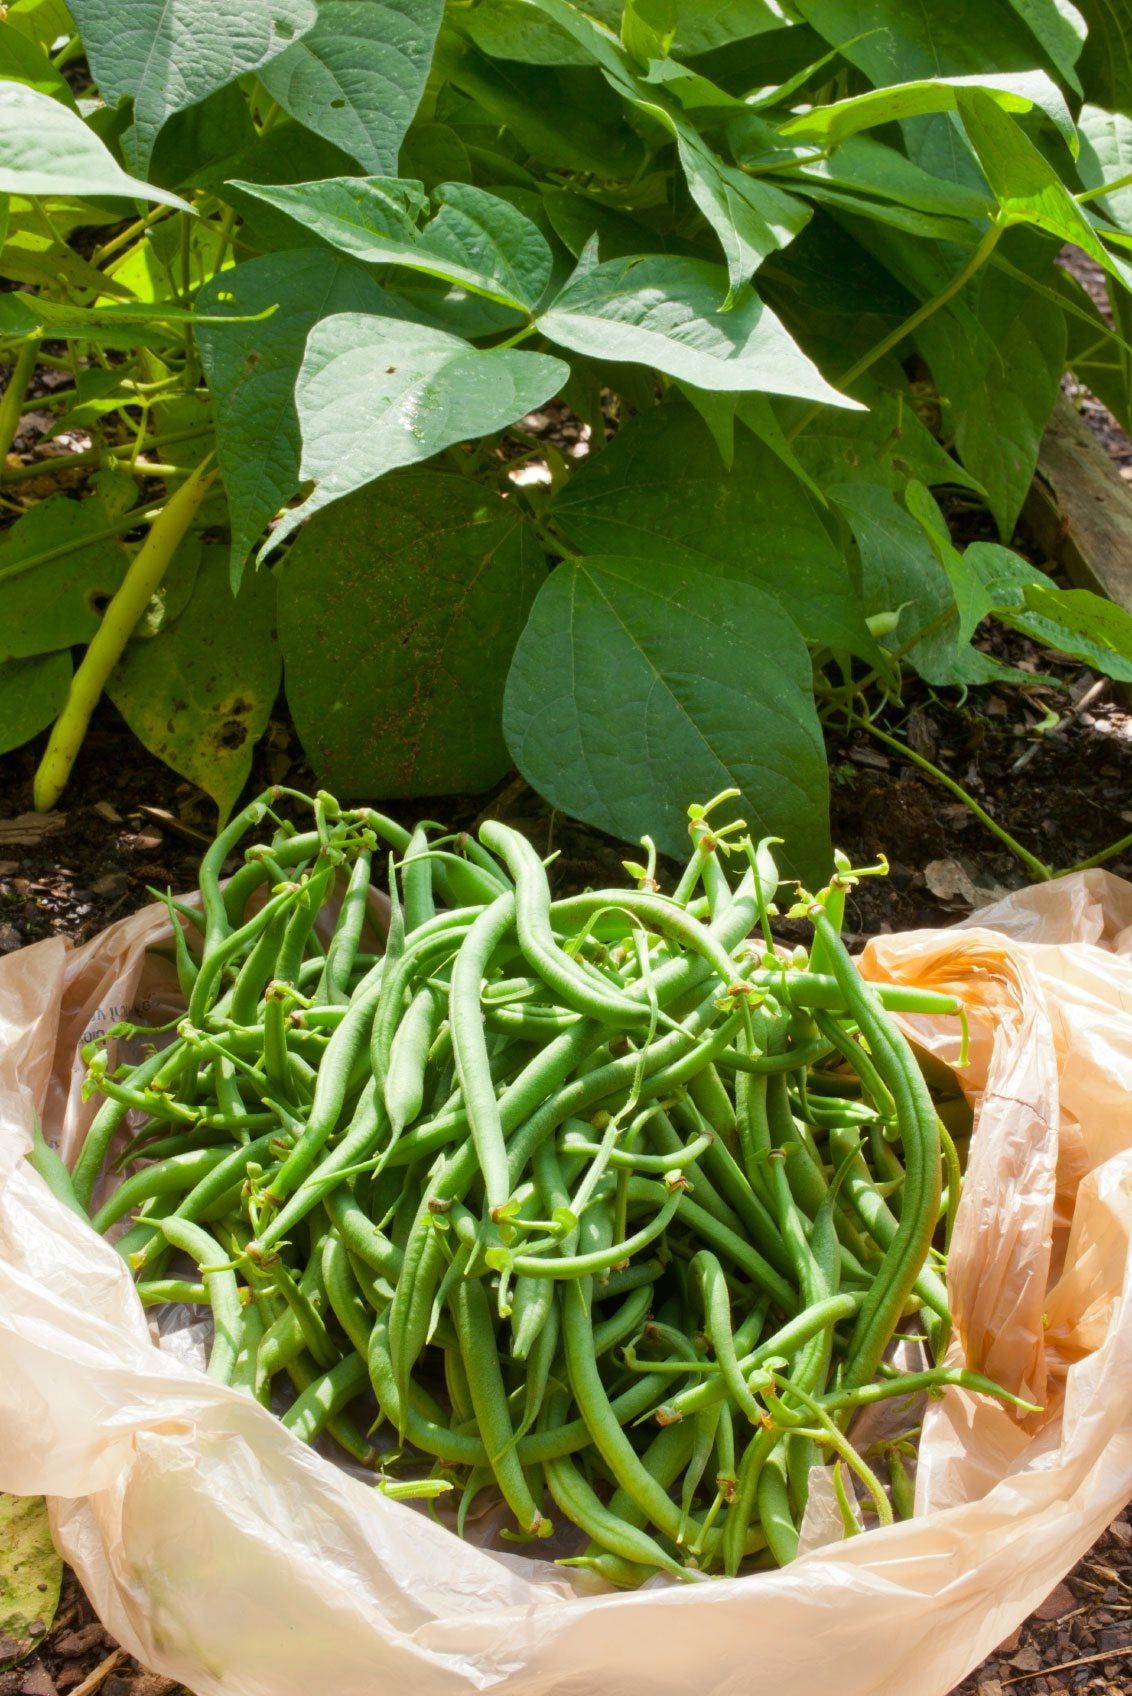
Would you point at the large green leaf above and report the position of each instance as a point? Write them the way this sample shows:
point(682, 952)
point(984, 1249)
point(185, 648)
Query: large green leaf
point(374, 394)
point(1105, 66)
point(1074, 621)
point(357, 77)
point(31, 695)
point(513, 29)
point(252, 368)
point(1106, 157)
point(199, 694)
point(399, 610)
point(45, 148)
point(1061, 30)
point(901, 574)
point(892, 41)
point(476, 240)
point(640, 686)
point(24, 60)
point(31, 1574)
point(998, 372)
point(569, 120)
point(659, 491)
point(47, 22)
point(666, 312)
point(1028, 189)
point(869, 167)
point(750, 217)
point(898, 102)
point(888, 444)
point(165, 55)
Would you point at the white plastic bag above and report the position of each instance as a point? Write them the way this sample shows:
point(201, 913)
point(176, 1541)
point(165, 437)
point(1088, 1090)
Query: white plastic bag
point(223, 1553)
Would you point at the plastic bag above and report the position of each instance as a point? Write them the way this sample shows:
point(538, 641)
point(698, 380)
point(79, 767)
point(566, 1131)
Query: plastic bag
point(223, 1553)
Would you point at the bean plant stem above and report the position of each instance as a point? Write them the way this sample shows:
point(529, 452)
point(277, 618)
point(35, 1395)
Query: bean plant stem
point(101, 456)
point(12, 404)
point(118, 624)
point(1036, 867)
point(910, 325)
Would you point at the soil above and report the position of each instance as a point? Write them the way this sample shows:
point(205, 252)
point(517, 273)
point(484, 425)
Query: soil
point(1051, 762)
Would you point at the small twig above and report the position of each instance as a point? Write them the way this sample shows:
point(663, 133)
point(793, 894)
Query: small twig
point(103, 1670)
point(1074, 713)
point(1042, 1672)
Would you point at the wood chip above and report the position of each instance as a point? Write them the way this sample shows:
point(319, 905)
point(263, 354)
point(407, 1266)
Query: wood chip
point(103, 1670)
point(1058, 1602)
point(29, 829)
point(1064, 1666)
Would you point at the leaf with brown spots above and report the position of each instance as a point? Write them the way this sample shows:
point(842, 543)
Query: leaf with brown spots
point(199, 694)
point(30, 1575)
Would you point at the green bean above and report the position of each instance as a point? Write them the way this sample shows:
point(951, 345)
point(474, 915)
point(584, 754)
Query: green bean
point(43, 1159)
point(221, 1289)
point(169, 1177)
point(580, 990)
point(334, 978)
point(579, 1502)
point(416, 875)
point(408, 1058)
point(476, 1338)
point(470, 1050)
point(342, 1050)
point(156, 1292)
point(708, 1273)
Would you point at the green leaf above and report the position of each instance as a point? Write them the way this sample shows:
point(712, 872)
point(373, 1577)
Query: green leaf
point(566, 120)
point(1061, 30)
point(893, 42)
point(24, 60)
point(659, 492)
point(357, 77)
point(47, 149)
point(374, 394)
point(639, 687)
point(868, 167)
point(30, 1575)
point(252, 367)
point(1028, 189)
point(998, 374)
point(165, 55)
point(901, 573)
point(973, 601)
point(666, 312)
point(752, 218)
point(46, 22)
point(844, 118)
point(199, 694)
point(129, 325)
point(1105, 65)
point(1072, 621)
point(476, 240)
point(32, 693)
point(888, 444)
point(58, 567)
point(513, 29)
point(399, 610)
point(1106, 157)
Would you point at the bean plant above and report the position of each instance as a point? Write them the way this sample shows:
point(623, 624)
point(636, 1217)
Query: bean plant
point(291, 277)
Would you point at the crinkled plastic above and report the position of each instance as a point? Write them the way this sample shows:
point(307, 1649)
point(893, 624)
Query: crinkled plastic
point(225, 1554)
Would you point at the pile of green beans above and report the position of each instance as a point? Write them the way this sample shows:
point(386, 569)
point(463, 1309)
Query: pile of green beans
point(603, 1205)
